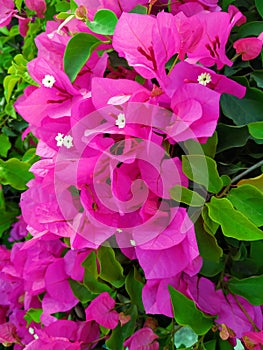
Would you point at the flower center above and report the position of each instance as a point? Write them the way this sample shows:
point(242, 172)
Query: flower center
point(48, 81)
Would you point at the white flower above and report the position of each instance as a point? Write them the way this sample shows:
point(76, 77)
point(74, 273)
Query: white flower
point(68, 141)
point(48, 81)
point(31, 330)
point(133, 243)
point(204, 79)
point(119, 230)
point(120, 122)
point(36, 336)
point(60, 139)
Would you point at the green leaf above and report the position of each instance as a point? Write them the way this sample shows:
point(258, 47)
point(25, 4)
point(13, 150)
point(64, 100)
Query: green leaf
point(91, 275)
point(259, 6)
point(184, 195)
point(256, 130)
point(30, 156)
point(250, 288)
point(207, 243)
point(134, 288)
point(211, 268)
point(142, 10)
point(224, 345)
point(234, 224)
point(110, 269)
point(210, 345)
point(226, 3)
point(209, 225)
point(33, 315)
point(18, 4)
point(81, 291)
point(104, 22)
point(257, 75)
point(208, 148)
point(202, 170)
point(187, 314)
point(5, 145)
point(7, 217)
point(249, 201)
point(115, 342)
point(15, 173)
point(10, 82)
point(78, 51)
point(246, 110)
point(230, 136)
point(250, 29)
point(255, 181)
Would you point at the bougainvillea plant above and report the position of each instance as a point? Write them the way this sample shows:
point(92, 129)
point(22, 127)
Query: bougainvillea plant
point(131, 198)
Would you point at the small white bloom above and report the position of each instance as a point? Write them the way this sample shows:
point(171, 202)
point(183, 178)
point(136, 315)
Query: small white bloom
point(48, 81)
point(68, 141)
point(31, 330)
point(204, 79)
point(120, 122)
point(133, 243)
point(36, 336)
point(119, 230)
point(60, 139)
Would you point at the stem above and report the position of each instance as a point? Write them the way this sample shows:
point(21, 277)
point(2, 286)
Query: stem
point(68, 19)
point(240, 176)
point(235, 57)
point(245, 313)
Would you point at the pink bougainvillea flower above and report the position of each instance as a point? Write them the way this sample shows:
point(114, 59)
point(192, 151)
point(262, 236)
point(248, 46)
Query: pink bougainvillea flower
point(8, 334)
point(143, 339)
point(101, 310)
point(191, 7)
point(210, 49)
point(147, 42)
point(173, 251)
point(227, 308)
point(253, 340)
point(37, 5)
point(156, 296)
point(249, 48)
point(53, 343)
point(7, 11)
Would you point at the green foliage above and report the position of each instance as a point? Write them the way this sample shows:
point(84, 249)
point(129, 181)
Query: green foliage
point(15, 173)
point(78, 51)
point(187, 314)
point(202, 170)
point(33, 315)
point(249, 288)
point(233, 222)
point(184, 195)
point(104, 22)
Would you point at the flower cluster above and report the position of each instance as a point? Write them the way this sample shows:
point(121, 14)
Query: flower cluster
point(108, 143)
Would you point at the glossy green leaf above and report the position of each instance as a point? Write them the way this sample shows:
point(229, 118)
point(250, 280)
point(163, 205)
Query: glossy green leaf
point(33, 315)
point(224, 345)
point(187, 314)
point(256, 130)
point(208, 148)
point(104, 22)
point(250, 29)
point(211, 268)
point(9, 84)
point(209, 225)
point(15, 173)
point(255, 181)
point(202, 170)
point(5, 145)
point(259, 6)
point(91, 275)
point(207, 243)
point(230, 136)
point(7, 218)
point(246, 110)
point(142, 10)
point(18, 4)
point(110, 269)
point(210, 345)
point(78, 51)
point(257, 75)
point(184, 195)
point(250, 288)
point(81, 291)
point(249, 201)
point(234, 224)
point(134, 288)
